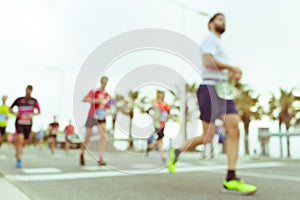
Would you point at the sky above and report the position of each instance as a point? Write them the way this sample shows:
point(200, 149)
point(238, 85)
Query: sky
point(45, 43)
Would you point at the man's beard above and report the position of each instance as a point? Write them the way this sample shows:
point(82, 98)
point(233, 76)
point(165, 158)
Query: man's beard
point(219, 29)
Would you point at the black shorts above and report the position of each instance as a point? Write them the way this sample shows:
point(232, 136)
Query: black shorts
point(90, 122)
point(23, 129)
point(160, 133)
point(2, 130)
point(69, 138)
point(211, 106)
point(52, 136)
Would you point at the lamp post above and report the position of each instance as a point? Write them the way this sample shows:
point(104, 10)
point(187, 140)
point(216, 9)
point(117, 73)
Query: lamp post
point(61, 88)
point(185, 8)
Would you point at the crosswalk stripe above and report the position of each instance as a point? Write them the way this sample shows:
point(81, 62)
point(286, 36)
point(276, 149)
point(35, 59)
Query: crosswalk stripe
point(95, 168)
point(41, 170)
point(131, 172)
point(57, 155)
point(30, 156)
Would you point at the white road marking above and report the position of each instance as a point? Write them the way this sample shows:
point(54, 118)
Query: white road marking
point(211, 169)
point(57, 155)
point(64, 176)
point(144, 166)
point(95, 168)
point(270, 176)
point(29, 156)
point(41, 170)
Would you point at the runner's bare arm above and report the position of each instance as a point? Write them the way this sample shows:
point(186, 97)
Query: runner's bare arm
point(12, 111)
point(235, 75)
point(211, 63)
point(37, 108)
point(91, 100)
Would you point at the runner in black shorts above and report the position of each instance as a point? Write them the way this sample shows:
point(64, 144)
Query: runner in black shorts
point(69, 131)
point(53, 130)
point(26, 109)
point(161, 114)
point(4, 111)
point(216, 103)
point(99, 100)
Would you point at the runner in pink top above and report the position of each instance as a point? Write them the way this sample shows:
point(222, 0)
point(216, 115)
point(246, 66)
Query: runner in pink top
point(26, 109)
point(69, 131)
point(99, 100)
point(98, 110)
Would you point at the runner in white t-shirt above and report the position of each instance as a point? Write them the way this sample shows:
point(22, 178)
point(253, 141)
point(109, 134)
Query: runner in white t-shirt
point(216, 102)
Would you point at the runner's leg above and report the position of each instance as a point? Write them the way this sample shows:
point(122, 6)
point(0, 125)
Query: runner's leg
point(102, 144)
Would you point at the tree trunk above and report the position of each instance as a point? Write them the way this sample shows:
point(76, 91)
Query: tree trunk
point(288, 140)
point(246, 128)
point(279, 125)
point(130, 131)
point(114, 119)
point(185, 121)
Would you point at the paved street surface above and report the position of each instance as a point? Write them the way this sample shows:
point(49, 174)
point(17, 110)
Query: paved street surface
point(135, 176)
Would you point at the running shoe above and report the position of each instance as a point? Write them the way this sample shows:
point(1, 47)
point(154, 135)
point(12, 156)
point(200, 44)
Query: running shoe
point(236, 186)
point(147, 151)
point(19, 163)
point(101, 162)
point(82, 162)
point(172, 161)
point(150, 139)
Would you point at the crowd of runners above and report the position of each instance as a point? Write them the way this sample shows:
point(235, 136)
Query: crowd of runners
point(214, 104)
point(24, 109)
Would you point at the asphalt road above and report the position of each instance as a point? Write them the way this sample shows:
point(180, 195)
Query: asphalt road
point(134, 176)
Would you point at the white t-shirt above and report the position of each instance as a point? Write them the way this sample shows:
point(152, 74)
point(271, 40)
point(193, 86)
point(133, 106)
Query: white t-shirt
point(211, 44)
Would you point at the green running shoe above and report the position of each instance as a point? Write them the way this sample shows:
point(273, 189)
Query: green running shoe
point(238, 187)
point(172, 161)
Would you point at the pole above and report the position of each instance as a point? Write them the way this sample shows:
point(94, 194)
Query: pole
point(61, 88)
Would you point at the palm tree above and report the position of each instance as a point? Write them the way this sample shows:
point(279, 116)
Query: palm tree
point(249, 109)
point(188, 93)
point(283, 109)
point(119, 105)
point(131, 104)
point(127, 106)
point(174, 107)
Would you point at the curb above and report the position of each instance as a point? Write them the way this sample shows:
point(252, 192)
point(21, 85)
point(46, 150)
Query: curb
point(11, 191)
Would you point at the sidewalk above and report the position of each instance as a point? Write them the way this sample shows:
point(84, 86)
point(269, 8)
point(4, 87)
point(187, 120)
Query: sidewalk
point(10, 192)
point(128, 170)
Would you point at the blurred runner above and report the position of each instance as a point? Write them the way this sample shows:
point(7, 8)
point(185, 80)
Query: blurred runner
point(161, 115)
point(215, 99)
point(53, 130)
point(69, 131)
point(40, 138)
point(27, 108)
point(4, 112)
point(99, 102)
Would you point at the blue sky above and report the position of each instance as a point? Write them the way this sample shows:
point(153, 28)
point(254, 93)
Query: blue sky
point(261, 38)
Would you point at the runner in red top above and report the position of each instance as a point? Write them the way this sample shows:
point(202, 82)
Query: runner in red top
point(69, 130)
point(27, 108)
point(53, 130)
point(99, 100)
point(161, 115)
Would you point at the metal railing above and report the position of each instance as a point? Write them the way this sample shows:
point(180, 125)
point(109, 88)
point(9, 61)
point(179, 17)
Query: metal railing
point(264, 140)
